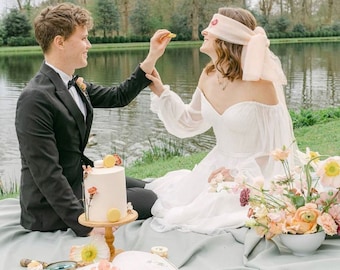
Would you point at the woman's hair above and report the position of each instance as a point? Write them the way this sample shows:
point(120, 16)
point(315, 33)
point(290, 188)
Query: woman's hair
point(229, 54)
point(59, 20)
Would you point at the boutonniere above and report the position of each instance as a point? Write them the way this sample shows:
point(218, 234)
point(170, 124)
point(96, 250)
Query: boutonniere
point(81, 84)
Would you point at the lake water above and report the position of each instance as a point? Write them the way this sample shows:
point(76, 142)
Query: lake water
point(313, 82)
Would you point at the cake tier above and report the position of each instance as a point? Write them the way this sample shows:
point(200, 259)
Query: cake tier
point(108, 188)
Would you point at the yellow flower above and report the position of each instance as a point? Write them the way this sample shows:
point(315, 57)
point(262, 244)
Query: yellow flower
point(95, 251)
point(332, 169)
point(313, 155)
point(89, 253)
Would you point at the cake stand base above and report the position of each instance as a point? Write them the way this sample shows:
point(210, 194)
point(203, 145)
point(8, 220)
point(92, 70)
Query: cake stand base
point(109, 235)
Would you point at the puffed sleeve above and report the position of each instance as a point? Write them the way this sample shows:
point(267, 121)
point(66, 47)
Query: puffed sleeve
point(180, 119)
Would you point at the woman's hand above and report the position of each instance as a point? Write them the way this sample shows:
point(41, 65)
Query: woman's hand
point(156, 86)
point(222, 173)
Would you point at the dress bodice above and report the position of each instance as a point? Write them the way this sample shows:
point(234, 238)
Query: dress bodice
point(243, 128)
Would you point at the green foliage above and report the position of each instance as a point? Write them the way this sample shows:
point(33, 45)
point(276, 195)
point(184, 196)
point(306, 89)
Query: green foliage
point(179, 24)
point(140, 18)
point(309, 117)
point(161, 150)
point(281, 24)
point(299, 28)
point(9, 191)
point(106, 17)
point(16, 24)
point(21, 41)
point(336, 27)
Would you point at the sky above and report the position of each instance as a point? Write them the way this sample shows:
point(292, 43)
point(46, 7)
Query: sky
point(8, 4)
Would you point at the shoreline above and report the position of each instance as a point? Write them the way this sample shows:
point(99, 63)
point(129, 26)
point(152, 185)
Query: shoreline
point(21, 50)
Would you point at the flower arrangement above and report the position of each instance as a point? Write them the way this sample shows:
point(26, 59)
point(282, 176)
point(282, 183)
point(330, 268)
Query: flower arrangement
point(304, 200)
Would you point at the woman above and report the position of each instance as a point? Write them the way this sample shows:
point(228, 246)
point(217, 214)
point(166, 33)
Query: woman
point(240, 96)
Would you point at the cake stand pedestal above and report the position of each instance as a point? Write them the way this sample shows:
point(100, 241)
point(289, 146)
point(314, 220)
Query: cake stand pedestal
point(109, 236)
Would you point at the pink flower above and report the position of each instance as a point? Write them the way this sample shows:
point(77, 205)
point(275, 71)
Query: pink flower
point(334, 211)
point(244, 196)
point(280, 154)
point(328, 224)
point(329, 172)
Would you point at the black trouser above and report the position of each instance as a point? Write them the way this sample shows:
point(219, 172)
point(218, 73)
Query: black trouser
point(141, 199)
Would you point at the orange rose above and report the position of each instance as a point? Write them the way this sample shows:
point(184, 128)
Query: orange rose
point(92, 190)
point(305, 219)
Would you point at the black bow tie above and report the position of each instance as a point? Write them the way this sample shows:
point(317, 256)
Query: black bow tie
point(72, 82)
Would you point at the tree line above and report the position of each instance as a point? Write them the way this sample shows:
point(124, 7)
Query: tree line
point(136, 20)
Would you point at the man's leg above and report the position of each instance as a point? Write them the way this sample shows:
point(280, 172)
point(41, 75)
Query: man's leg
point(142, 199)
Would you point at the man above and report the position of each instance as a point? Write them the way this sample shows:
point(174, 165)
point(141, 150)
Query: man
point(53, 122)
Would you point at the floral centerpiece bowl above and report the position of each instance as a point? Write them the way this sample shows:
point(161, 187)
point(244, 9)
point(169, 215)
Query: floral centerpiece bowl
point(302, 201)
point(303, 244)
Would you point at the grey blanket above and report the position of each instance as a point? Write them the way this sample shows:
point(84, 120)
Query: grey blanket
point(234, 249)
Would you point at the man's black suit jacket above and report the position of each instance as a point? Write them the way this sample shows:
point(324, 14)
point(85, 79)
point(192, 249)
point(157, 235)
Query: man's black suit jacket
point(52, 136)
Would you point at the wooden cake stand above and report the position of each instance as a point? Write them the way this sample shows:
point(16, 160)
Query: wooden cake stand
point(109, 236)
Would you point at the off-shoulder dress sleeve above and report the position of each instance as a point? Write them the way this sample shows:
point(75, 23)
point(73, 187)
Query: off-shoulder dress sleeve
point(180, 119)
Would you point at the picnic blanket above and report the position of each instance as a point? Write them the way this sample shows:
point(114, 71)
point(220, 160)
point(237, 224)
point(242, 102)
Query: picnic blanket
point(233, 249)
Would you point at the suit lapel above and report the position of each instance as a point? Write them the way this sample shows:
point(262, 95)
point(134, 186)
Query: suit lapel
point(67, 100)
point(89, 117)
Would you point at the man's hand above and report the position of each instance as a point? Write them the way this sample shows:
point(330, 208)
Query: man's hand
point(158, 44)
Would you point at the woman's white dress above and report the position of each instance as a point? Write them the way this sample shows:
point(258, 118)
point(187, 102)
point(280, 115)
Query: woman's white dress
point(245, 133)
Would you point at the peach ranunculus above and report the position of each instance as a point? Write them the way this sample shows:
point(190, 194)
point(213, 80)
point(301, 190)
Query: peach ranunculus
point(280, 154)
point(328, 224)
point(329, 172)
point(304, 220)
point(276, 223)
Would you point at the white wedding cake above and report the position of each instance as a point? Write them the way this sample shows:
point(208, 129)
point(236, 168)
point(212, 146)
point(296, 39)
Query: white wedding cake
point(105, 191)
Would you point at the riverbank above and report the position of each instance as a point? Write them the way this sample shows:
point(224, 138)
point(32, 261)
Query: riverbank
point(321, 137)
point(24, 50)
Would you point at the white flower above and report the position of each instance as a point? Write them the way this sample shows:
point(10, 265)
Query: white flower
point(93, 252)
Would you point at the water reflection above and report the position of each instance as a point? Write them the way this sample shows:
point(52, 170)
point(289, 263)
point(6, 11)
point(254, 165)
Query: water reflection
point(313, 82)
